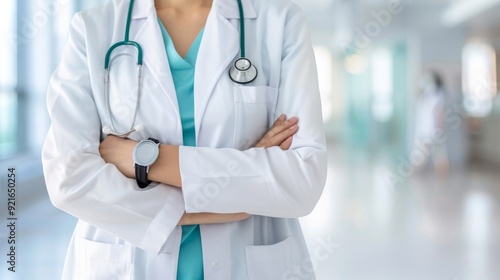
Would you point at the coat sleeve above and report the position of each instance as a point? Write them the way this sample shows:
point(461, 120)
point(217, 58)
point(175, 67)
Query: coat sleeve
point(78, 180)
point(268, 182)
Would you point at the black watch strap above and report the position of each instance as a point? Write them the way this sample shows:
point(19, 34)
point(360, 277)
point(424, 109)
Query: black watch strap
point(141, 172)
point(141, 176)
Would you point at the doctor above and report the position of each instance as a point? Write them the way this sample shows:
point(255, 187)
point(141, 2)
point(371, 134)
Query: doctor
point(216, 191)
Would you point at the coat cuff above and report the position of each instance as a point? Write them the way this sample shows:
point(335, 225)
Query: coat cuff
point(189, 167)
point(163, 234)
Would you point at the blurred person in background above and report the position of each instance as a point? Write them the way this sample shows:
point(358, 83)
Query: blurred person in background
point(430, 126)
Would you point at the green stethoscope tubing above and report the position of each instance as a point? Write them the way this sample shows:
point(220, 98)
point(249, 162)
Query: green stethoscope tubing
point(126, 41)
point(236, 73)
point(242, 29)
point(107, 66)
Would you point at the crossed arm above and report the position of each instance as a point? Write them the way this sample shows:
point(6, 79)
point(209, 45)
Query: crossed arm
point(166, 169)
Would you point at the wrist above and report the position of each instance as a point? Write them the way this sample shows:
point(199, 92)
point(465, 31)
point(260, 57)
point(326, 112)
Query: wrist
point(129, 150)
point(166, 168)
point(144, 155)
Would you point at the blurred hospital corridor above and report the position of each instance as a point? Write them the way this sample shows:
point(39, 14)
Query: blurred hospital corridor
point(425, 228)
point(411, 115)
point(362, 228)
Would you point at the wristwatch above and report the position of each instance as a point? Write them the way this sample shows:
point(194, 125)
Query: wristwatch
point(145, 154)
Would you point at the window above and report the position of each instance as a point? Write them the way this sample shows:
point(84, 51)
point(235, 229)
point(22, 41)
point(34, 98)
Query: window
point(324, 62)
point(479, 78)
point(382, 83)
point(8, 81)
point(27, 29)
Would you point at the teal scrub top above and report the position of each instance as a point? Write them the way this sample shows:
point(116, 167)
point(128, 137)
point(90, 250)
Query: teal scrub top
point(190, 266)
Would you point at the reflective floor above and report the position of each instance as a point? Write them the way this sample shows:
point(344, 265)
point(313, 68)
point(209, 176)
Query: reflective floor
point(43, 233)
point(427, 228)
point(363, 228)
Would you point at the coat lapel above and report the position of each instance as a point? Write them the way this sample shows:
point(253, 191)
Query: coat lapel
point(149, 36)
point(218, 49)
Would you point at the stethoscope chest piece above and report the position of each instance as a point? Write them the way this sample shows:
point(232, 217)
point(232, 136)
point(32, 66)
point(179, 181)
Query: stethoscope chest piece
point(243, 71)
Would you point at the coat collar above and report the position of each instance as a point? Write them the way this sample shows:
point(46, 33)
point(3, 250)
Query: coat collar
point(227, 8)
point(219, 47)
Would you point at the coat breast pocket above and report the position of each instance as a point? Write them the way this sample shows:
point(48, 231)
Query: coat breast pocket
point(254, 112)
point(104, 261)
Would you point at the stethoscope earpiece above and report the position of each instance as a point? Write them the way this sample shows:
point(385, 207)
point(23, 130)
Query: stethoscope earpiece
point(106, 130)
point(139, 127)
point(243, 71)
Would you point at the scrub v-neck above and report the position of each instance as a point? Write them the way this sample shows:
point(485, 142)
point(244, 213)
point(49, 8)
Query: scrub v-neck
point(190, 265)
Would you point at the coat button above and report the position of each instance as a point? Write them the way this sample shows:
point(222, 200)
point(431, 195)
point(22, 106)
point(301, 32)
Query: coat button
point(217, 264)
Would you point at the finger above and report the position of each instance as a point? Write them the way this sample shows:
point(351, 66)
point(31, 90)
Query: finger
point(269, 141)
point(279, 121)
point(278, 139)
point(281, 118)
point(285, 145)
point(278, 132)
point(283, 135)
point(282, 126)
point(279, 125)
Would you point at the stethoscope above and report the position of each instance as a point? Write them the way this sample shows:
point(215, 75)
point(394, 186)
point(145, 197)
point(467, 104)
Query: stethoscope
point(241, 72)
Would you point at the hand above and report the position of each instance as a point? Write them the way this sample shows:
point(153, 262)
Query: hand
point(211, 218)
point(280, 134)
point(118, 151)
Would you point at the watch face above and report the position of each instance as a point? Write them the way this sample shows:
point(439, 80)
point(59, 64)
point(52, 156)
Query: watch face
point(145, 153)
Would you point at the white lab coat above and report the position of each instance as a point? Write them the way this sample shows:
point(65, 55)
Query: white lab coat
point(128, 233)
